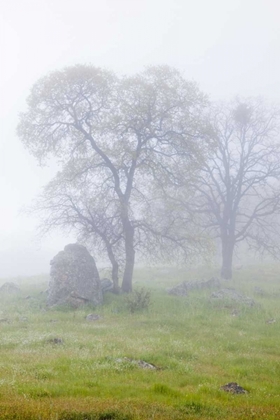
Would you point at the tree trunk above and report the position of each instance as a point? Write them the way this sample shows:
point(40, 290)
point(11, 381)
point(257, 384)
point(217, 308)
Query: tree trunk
point(129, 257)
point(115, 267)
point(227, 255)
point(115, 277)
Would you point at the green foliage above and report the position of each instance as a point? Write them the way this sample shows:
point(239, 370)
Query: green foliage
point(138, 300)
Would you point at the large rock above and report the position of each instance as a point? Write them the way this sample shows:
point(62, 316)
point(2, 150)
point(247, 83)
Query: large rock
point(183, 288)
point(233, 295)
point(74, 278)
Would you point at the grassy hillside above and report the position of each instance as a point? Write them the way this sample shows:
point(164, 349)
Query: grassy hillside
point(54, 364)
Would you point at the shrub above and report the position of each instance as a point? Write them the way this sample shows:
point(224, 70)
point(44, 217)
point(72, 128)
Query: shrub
point(138, 300)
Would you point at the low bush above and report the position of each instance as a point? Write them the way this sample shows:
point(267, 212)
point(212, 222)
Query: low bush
point(138, 300)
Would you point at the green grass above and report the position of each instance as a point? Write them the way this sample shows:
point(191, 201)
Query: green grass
point(197, 344)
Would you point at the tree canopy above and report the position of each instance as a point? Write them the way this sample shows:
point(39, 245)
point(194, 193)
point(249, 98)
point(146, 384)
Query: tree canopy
point(116, 139)
point(238, 190)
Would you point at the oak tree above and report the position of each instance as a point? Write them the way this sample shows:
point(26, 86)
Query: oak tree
point(119, 136)
point(238, 190)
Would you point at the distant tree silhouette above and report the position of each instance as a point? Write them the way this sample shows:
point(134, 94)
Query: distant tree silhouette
point(238, 190)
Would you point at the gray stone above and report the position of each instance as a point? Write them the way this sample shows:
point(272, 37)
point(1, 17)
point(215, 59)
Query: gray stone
point(141, 363)
point(55, 340)
point(232, 295)
point(234, 388)
point(270, 321)
point(74, 278)
point(9, 288)
point(235, 312)
point(179, 290)
point(106, 285)
point(183, 288)
point(23, 319)
point(5, 320)
point(93, 317)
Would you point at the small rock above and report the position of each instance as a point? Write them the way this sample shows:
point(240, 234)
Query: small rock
point(23, 319)
point(4, 320)
point(93, 317)
point(270, 321)
point(183, 288)
point(55, 340)
point(235, 312)
point(141, 363)
point(146, 365)
point(9, 288)
point(234, 388)
point(106, 285)
point(179, 290)
point(232, 295)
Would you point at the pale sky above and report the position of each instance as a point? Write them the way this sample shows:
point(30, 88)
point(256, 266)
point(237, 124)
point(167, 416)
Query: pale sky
point(229, 47)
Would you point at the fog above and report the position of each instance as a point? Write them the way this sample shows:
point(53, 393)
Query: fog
point(228, 47)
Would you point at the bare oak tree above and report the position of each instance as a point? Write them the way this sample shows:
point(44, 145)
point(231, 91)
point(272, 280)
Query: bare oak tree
point(238, 190)
point(122, 135)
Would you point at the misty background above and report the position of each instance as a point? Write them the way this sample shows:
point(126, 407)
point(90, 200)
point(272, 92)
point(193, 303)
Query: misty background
point(228, 47)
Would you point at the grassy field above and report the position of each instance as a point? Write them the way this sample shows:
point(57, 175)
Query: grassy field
point(56, 365)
